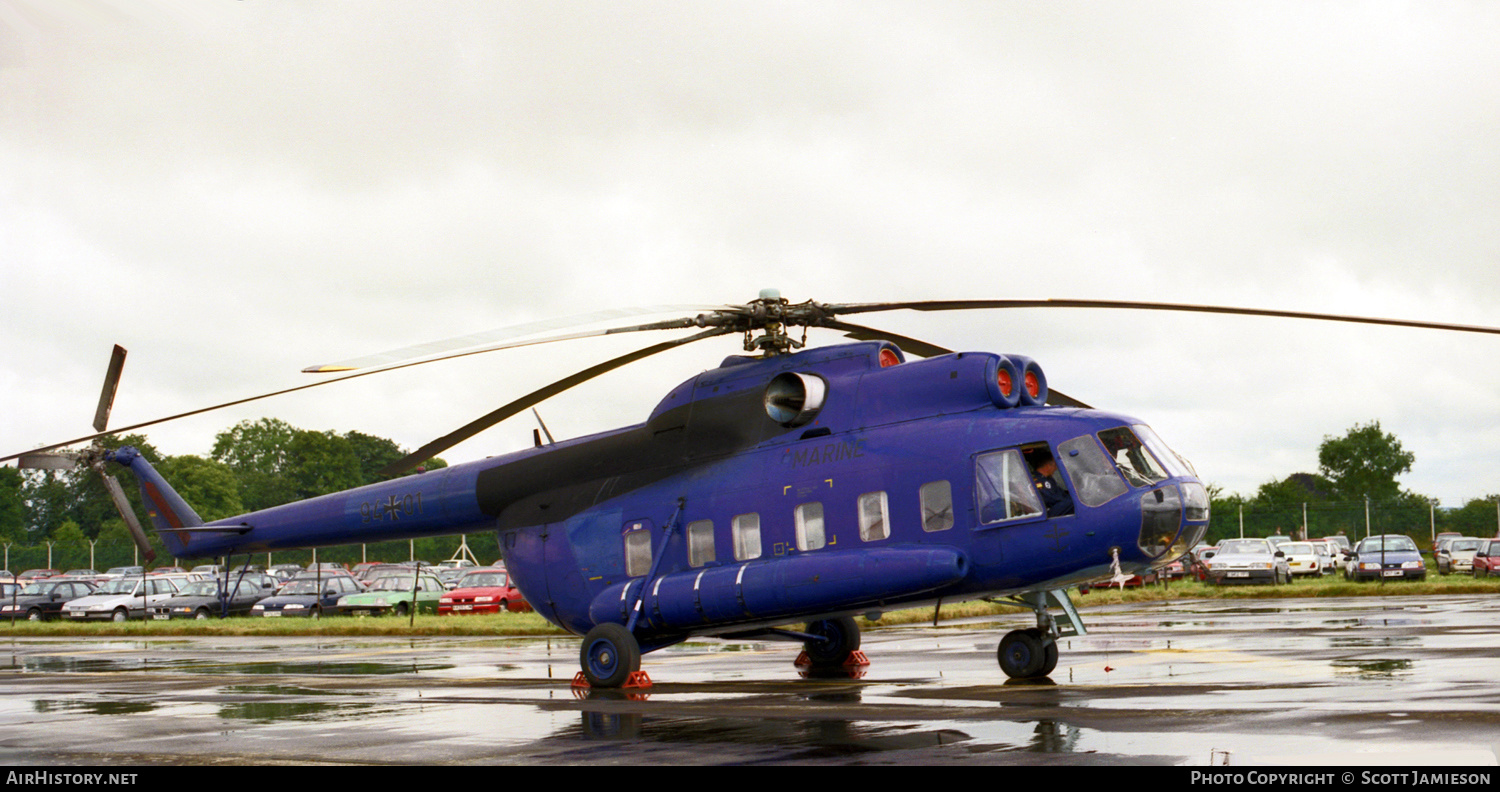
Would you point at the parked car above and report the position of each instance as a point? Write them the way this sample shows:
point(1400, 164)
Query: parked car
point(1302, 558)
point(1330, 556)
point(1391, 556)
point(1457, 556)
point(37, 574)
point(1487, 559)
point(483, 591)
point(307, 596)
point(121, 599)
point(201, 599)
point(394, 595)
point(1247, 561)
point(1441, 536)
point(44, 599)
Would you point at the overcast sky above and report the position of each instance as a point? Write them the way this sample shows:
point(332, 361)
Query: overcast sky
point(237, 190)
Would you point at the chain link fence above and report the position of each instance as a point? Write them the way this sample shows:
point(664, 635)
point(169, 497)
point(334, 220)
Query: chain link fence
point(104, 555)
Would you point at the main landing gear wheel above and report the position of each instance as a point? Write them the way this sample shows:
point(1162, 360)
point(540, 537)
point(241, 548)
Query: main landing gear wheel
point(1026, 654)
point(609, 655)
point(841, 638)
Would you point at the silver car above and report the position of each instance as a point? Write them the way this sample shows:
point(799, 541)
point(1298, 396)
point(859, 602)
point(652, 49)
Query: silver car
point(1247, 561)
point(121, 599)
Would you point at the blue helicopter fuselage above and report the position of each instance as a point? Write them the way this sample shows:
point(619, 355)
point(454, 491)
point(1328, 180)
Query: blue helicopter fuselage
point(833, 481)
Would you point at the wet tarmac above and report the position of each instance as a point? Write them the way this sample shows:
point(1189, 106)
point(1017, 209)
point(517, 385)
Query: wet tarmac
point(1338, 682)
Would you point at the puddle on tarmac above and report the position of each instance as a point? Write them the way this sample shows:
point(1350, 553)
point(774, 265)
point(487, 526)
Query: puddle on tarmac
point(95, 665)
point(91, 706)
point(279, 711)
point(1373, 669)
point(1387, 640)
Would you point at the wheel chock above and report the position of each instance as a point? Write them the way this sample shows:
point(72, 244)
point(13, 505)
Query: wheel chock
point(637, 679)
point(855, 659)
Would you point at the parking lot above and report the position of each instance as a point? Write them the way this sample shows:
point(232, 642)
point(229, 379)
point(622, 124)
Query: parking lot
point(1334, 681)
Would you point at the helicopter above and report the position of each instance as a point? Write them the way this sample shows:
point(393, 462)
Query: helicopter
point(788, 485)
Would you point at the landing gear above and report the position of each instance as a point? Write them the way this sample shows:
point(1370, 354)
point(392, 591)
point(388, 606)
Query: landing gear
point(1026, 654)
point(609, 655)
point(840, 639)
point(1032, 653)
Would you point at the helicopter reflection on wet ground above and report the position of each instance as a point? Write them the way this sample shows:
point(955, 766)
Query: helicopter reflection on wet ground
point(1336, 680)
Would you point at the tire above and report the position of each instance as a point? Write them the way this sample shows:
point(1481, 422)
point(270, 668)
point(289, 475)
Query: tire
point(504, 606)
point(35, 614)
point(608, 655)
point(1021, 654)
point(1049, 652)
point(842, 638)
point(121, 615)
point(401, 609)
point(316, 612)
point(202, 614)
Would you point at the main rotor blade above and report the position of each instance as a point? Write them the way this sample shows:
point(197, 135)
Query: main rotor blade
point(907, 344)
point(535, 397)
point(666, 325)
point(499, 334)
point(964, 305)
point(111, 383)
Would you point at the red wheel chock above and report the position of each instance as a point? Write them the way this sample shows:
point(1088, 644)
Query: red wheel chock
point(637, 680)
point(856, 659)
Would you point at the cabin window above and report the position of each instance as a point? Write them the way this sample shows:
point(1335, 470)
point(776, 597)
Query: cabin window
point(700, 541)
point(1003, 486)
point(746, 530)
point(873, 523)
point(937, 506)
point(809, 526)
point(637, 553)
point(1095, 480)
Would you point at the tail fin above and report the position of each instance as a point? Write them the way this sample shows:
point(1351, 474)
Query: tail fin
point(168, 511)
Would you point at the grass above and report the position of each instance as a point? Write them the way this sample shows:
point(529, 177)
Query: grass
point(530, 624)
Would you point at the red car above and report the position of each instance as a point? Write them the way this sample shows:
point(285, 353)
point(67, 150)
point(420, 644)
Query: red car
point(483, 591)
point(1487, 559)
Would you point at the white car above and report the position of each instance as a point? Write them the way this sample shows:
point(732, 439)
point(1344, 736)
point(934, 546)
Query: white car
point(122, 599)
point(1457, 556)
point(1303, 559)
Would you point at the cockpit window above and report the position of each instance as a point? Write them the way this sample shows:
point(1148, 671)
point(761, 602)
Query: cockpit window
point(1129, 453)
point(1095, 480)
point(1175, 464)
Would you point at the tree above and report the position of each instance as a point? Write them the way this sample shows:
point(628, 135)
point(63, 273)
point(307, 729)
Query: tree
point(207, 486)
point(320, 463)
point(13, 511)
point(258, 453)
point(1364, 463)
point(1478, 517)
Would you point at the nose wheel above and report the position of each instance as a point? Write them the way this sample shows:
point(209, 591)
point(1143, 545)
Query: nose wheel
point(1032, 653)
point(1026, 654)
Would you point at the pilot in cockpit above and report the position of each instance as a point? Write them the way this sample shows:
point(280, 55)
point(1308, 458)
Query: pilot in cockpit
point(1049, 486)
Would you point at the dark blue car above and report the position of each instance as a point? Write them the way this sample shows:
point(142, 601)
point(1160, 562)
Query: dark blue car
point(1390, 556)
point(306, 596)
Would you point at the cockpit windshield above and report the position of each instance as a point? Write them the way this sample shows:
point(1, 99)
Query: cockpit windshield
point(1131, 457)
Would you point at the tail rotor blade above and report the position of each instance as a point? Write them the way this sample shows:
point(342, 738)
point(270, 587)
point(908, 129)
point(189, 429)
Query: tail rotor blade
point(111, 383)
point(117, 494)
point(45, 461)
